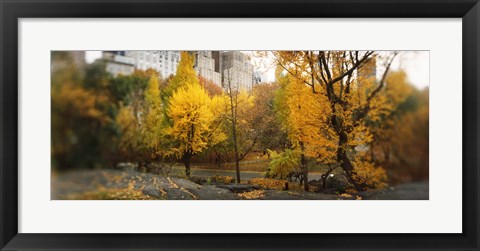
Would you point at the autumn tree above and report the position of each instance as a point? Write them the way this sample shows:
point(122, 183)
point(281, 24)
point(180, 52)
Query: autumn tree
point(185, 75)
point(264, 120)
point(410, 153)
point(152, 121)
point(191, 125)
point(339, 91)
point(129, 140)
point(194, 126)
point(239, 105)
point(129, 95)
point(81, 126)
point(129, 89)
point(400, 139)
point(209, 86)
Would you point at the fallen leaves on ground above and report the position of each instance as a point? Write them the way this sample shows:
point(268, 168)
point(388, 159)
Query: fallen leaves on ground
point(112, 194)
point(255, 194)
point(268, 183)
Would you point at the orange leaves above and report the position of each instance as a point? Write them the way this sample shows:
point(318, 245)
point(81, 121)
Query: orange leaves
point(255, 194)
point(308, 120)
point(268, 183)
point(333, 95)
point(78, 100)
point(366, 173)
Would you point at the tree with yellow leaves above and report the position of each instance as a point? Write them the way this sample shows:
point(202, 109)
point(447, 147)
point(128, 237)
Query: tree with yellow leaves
point(337, 91)
point(129, 141)
point(152, 121)
point(190, 125)
point(194, 126)
point(239, 105)
point(185, 75)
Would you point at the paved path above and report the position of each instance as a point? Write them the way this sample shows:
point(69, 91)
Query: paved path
point(244, 175)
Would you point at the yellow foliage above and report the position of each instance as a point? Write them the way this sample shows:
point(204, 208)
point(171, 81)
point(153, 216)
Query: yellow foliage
point(127, 124)
point(308, 115)
point(152, 117)
point(281, 164)
point(396, 90)
point(185, 74)
point(333, 98)
point(367, 173)
point(193, 129)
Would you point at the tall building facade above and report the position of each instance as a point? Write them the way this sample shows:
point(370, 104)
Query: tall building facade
point(78, 58)
point(237, 70)
point(205, 67)
point(220, 67)
point(164, 62)
point(117, 63)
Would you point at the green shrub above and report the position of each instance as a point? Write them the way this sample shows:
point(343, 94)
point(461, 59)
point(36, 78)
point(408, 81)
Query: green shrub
point(283, 163)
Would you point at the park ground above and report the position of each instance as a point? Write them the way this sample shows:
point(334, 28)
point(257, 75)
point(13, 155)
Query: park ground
point(110, 184)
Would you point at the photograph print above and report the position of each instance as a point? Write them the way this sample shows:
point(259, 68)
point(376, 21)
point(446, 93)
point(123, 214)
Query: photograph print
point(239, 125)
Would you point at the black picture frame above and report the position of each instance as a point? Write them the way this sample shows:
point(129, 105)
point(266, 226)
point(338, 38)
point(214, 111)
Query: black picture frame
point(12, 10)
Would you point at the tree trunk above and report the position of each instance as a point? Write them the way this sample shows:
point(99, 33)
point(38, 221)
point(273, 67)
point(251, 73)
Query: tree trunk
point(237, 170)
point(346, 164)
point(303, 166)
point(186, 161)
point(234, 138)
point(235, 148)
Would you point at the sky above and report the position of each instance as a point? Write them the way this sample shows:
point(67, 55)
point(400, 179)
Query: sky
point(415, 63)
point(417, 66)
point(90, 56)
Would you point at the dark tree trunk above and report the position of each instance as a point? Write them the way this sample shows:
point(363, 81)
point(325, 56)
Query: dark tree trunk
point(187, 168)
point(346, 164)
point(235, 148)
point(187, 158)
point(303, 166)
point(234, 139)
point(237, 170)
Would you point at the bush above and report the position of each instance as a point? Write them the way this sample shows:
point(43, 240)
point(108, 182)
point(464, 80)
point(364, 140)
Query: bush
point(282, 163)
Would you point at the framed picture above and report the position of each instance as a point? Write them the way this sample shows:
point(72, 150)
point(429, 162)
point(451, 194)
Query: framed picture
point(160, 125)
